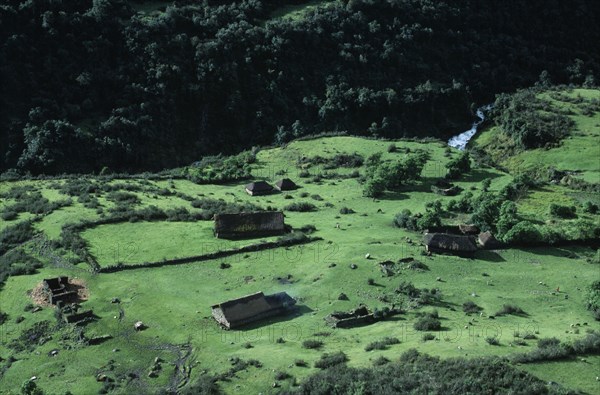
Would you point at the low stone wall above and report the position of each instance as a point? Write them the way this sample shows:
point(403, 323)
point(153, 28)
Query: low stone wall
point(207, 257)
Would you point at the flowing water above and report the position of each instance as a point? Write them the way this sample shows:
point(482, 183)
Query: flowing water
point(460, 141)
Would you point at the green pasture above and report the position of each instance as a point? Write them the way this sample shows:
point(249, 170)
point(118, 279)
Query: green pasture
point(174, 301)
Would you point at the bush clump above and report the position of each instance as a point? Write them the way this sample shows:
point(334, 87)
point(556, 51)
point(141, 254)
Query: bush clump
point(382, 344)
point(428, 324)
point(509, 309)
point(301, 207)
point(312, 344)
point(470, 307)
point(557, 210)
point(333, 359)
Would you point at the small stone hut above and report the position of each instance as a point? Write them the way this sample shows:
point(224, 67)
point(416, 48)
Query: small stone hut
point(57, 290)
point(285, 184)
point(258, 188)
point(448, 243)
point(250, 308)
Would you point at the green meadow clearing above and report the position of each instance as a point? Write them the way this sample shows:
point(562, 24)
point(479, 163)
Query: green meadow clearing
point(548, 283)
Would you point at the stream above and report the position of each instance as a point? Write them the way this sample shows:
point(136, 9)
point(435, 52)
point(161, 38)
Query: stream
point(460, 141)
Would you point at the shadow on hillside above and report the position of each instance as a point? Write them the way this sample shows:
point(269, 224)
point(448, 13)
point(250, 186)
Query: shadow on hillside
point(479, 175)
point(393, 196)
point(297, 312)
point(559, 252)
point(489, 256)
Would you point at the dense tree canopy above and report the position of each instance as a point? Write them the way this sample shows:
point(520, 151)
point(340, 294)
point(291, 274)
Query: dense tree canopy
point(94, 83)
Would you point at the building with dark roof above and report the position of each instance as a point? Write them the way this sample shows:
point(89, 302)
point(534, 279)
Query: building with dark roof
point(249, 225)
point(258, 188)
point(448, 243)
point(285, 184)
point(488, 241)
point(251, 308)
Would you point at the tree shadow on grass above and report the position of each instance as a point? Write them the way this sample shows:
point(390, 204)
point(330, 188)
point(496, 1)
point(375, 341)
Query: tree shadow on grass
point(489, 256)
point(393, 195)
point(479, 175)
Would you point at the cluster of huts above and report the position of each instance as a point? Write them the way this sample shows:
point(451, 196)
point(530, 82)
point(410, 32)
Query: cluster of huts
point(462, 240)
point(254, 224)
point(247, 309)
point(258, 188)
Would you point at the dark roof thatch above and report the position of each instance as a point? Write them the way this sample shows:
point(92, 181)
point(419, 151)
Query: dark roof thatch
point(257, 224)
point(285, 184)
point(441, 242)
point(488, 241)
point(468, 229)
point(250, 308)
point(259, 187)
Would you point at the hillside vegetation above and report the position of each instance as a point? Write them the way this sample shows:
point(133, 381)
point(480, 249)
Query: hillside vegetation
point(504, 303)
point(147, 85)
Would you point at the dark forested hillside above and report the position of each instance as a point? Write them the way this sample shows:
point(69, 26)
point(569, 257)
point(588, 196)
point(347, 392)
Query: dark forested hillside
point(91, 84)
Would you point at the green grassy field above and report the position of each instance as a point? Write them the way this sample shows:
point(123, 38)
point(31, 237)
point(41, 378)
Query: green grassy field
point(175, 301)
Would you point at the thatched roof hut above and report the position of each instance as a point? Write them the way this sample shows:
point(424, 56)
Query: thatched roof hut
point(257, 188)
point(488, 241)
point(248, 225)
point(285, 184)
point(250, 308)
point(447, 243)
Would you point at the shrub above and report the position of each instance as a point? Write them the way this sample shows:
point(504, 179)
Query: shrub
point(381, 360)
point(120, 197)
point(210, 207)
point(301, 207)
point(492, 340)
point(308, 229)
point(300, 363)
point(557, 210)
point(470, 307)
point(280, 375)
point(509, 309)
point(523, 232)
point(346, 210)
point(371, 281)
point(593, 299)
point(374, 187)
point(428, 324)
point(382, 344)
point(14, 235)
point(392, 148)
point(3, 317)
point(417, 265)
point(428, 336)
point(548, 342)
point(312, 344)
point(9, 214)
point(590, 208)
point(458, 166)
point(333, 359)
point(405, 220)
